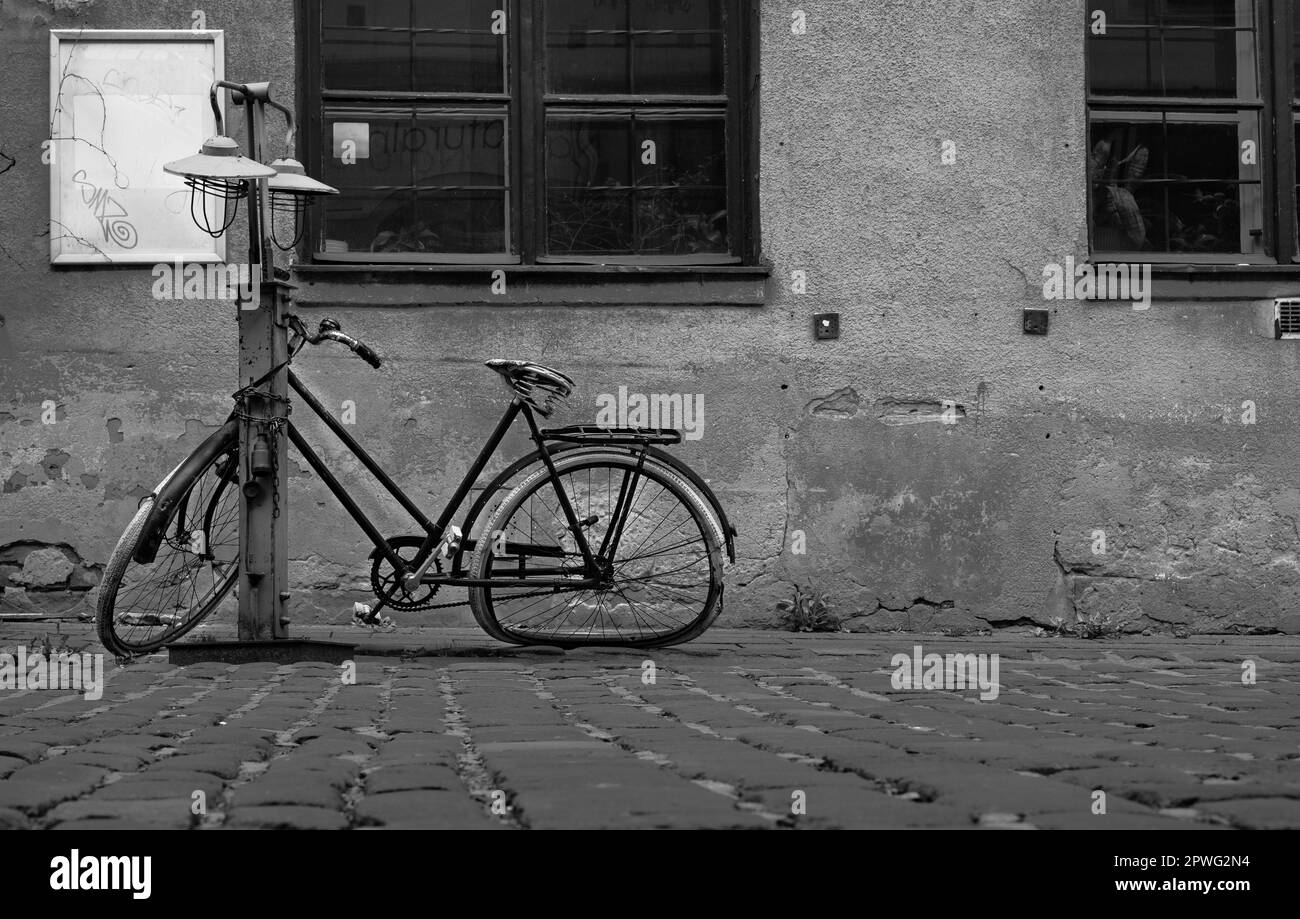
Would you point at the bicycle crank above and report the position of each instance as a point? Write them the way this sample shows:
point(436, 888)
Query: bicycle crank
point(383, 577)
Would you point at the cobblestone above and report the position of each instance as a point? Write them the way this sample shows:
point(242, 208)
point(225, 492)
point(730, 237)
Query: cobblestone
point(741, 729)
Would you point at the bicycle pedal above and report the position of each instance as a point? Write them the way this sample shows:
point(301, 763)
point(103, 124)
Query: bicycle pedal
point(363, 615)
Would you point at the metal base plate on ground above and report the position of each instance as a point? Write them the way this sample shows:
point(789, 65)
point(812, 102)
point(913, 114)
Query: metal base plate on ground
point(283, 651)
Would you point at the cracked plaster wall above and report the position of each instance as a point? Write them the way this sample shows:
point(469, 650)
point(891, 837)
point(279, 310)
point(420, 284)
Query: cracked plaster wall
point(1118, 420)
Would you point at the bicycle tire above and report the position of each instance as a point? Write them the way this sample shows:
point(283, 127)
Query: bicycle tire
point(116, 633)
point(484, 607)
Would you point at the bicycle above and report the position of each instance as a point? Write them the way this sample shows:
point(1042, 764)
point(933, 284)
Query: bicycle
point(639, 568)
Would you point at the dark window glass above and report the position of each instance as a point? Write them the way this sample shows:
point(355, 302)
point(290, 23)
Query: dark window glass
point(1172, 48)
point(1128, 12)
point(425, 184)
point(619, 47)
point(366, 44)
point(1295, 54)
point(412, 46)
point(1215, 13)
point(1176, 134)
point(1200, 62)
point(602, 197)
point(1167, 187)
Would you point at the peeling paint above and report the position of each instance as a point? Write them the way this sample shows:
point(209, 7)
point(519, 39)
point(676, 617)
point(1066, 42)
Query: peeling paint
point(38, 578)
point(843, 403)
point(919, 411)
point(75, 6)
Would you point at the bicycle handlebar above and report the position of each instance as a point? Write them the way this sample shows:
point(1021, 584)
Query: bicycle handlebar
point(330, 329)
point(359, 348)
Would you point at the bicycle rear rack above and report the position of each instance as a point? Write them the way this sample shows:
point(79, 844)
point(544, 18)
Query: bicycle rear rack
point(593, 434)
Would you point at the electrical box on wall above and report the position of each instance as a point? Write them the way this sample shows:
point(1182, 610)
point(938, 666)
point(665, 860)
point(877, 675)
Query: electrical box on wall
point(826, 326)
point(1036, 322)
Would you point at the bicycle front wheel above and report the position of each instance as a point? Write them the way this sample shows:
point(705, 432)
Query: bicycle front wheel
point(664, 563)
point(143, 606)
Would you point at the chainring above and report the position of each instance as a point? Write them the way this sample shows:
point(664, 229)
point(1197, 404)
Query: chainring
point(382, 576)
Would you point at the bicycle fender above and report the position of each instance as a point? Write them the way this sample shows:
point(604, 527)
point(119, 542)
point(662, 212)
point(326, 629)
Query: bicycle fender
point(172, 489)
point(662, 456)
point(728, 531)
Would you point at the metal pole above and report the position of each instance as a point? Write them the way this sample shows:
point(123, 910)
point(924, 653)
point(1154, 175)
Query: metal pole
point(263, 343)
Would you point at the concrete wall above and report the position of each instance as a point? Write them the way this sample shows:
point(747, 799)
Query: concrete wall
point(1123, 421)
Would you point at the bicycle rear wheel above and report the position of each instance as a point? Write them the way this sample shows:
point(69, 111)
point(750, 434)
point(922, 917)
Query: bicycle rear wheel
point(665, 584)
point(143, 606)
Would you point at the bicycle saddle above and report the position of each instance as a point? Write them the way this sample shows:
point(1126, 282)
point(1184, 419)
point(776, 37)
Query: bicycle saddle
point(541, 387)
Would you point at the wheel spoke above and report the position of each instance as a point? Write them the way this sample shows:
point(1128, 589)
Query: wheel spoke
point(661, 581)
point(148, 605)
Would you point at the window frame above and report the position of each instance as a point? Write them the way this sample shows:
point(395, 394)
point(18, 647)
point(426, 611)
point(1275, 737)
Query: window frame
point(1286, 90)
point(526, 109)
point(1275, 78)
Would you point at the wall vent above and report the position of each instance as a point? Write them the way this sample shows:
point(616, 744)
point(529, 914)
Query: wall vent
point(1286, 318)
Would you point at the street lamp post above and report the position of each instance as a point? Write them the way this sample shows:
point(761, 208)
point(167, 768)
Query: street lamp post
point(220, 178)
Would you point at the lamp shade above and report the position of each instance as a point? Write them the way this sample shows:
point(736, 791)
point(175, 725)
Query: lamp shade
point(291, 179)
point(219, 158)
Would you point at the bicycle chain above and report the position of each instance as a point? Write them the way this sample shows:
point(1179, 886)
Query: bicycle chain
point(428, 606)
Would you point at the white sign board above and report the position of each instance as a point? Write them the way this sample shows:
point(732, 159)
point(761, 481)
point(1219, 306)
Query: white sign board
point(123, 103)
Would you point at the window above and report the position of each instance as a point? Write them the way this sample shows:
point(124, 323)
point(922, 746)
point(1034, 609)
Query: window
point(530, 131)
point(1192, 130)
point(1295, 123)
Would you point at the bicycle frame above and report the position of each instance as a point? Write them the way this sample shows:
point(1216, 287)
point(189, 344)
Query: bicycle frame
point(435, 529)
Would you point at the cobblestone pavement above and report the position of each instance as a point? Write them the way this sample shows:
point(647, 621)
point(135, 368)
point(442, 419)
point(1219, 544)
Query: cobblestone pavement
point(741, 729)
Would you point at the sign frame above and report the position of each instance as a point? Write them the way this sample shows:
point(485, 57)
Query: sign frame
point(61, 156)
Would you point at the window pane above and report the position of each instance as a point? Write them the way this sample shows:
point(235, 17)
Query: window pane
point(687, 212)
point(448, 47)
point(589, 179)
point(588, 152)
point(588, 63)
point(1201, 62)
point(1295, 57)
point(677, 48)
point(464, 220)
point(369, 221)
point(457, 52)
point(603, 198)
point(1127, 12)
point(1219, 13)
point(425, 183)
point(1200, 48)
point(376, 154)
point(366, 44)
point(1167, 187)
point(1125, 63)
point(589, 222)
point(688, 152)
point(621, 47)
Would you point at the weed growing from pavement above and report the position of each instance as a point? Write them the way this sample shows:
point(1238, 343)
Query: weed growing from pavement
point(1093, 627)
point(808, 613)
